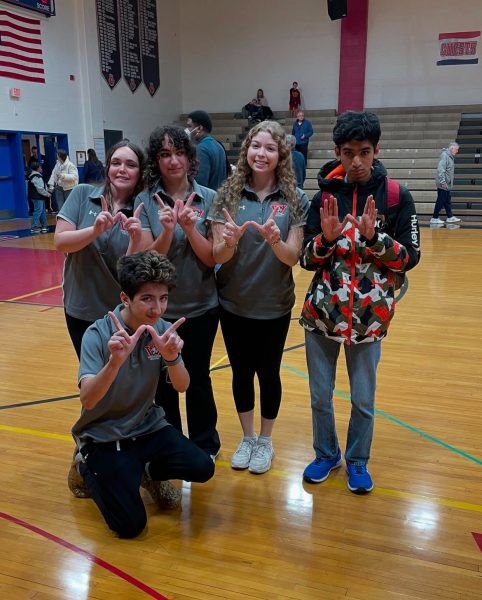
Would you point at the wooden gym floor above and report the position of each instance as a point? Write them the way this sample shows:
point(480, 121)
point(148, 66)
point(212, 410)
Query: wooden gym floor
point(418, 535)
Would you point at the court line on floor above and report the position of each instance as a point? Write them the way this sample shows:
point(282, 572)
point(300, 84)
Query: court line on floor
point(55, 287)
point(397, 421)
point(34, 402)
point(85, 554)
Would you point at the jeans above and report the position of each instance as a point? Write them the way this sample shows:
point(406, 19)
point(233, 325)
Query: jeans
point(443, 201)
point(362, 360)
point(198, 334)
point(39, 214)
point(60, 197)
point(113, 473)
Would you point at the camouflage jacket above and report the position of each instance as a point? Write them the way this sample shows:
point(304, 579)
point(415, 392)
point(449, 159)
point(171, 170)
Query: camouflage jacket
point(351, 296)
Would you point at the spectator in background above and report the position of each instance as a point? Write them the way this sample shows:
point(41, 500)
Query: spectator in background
point(299, 164)
point(63, 179)
point(445, 181)
point(295, 99)
point(37, 195)
point(94, 172)
point(302, 130)
point(263, 101)
point(253, 111)
point(213, 161)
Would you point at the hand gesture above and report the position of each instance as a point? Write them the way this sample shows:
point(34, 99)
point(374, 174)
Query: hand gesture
point(366, 224)
point(104, 219)
point(270, 231)
point(186, 217)
point(330, 223)
point(169, 343)
point(121, 344)
point(133, 224)
point(167, 215)
point(232, 233)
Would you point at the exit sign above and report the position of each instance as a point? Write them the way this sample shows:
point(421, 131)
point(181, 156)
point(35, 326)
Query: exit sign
point(15, 92)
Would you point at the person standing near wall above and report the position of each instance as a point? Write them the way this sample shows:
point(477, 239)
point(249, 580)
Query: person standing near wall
point(94, 172)
point(302, 130)
point(258, 219)
point(444, 181)
point(63, 179)
point(38, 195)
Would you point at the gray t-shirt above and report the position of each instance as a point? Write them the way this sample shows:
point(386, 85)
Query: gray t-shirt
point(90, 278)
point(255, 283)
point(128, 409)
point(195, 291)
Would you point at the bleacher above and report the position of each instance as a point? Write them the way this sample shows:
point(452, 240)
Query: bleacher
point(410, 146)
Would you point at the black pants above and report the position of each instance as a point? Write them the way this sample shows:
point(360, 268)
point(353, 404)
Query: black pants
point(255, 347)
point(443, 202)
point(76, 328)
point(198, 334)
point(303, 148)
point(113, 473)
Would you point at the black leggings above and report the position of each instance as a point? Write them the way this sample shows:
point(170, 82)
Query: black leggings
point(255, 346)
point(76, 328)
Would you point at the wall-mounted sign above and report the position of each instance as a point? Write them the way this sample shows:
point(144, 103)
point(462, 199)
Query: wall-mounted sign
point(460, 48)
point(46, 7)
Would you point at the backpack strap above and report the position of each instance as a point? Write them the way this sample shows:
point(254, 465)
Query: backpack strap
point(393, 192)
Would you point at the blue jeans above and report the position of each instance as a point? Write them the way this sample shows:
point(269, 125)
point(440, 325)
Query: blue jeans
point(443, 201)
point(39, 213)
point(361, 360)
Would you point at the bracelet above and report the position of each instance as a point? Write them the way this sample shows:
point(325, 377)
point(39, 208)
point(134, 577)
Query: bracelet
point(230, 247)
point(276, 242)
point(172, 363)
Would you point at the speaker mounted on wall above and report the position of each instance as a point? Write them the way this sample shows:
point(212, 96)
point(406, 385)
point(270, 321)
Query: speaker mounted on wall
point(337, 9)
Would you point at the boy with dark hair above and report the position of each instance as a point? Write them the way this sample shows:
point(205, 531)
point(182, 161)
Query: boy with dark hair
point(361, 232)
point(38, 196)
point(213, 161)
point(123, 438)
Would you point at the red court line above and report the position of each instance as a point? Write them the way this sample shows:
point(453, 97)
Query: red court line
point(26, 271)
point(94, 559)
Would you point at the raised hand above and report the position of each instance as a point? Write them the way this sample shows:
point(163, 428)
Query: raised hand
point(330, 223)
point(133, 224)
point(169, 344)
point(104, 220)
point(366, 224)
point(186, 217)
point(167, 215)
point(121, 344)
point(270, 231)
point(232, 233)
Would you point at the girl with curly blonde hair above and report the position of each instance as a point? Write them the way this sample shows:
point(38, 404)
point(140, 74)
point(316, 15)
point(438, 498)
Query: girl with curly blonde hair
point(258, 219)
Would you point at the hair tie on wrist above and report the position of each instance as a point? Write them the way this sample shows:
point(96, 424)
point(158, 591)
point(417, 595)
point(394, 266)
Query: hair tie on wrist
point(172, 363)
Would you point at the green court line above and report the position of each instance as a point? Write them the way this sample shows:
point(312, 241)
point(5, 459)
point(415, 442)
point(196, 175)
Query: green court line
point(397, 421)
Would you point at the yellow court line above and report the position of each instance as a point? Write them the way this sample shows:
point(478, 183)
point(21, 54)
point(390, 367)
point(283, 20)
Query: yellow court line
point(334, 483)
point(44, 434)
point(218, 362)
point(55, 287)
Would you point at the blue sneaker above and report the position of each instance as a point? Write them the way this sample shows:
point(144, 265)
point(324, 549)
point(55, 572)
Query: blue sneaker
point(319, 469)
point(359, 480)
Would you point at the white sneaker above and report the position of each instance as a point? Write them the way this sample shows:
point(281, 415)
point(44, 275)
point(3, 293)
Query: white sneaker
point(242, 456)
point(261, 458)
point(453, 220)
point(434, 221)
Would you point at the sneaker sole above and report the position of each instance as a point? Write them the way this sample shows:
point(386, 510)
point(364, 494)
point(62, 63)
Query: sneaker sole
point(360, 491)
point(311, 480)
point(238, 468)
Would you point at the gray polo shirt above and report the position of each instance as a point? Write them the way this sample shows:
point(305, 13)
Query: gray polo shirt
point(195, 291)
point(90, 277)
point(128, 409)
point(255, 283)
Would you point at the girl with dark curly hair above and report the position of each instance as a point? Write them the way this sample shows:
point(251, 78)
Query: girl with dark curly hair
point(174, 221)
point(258, 219)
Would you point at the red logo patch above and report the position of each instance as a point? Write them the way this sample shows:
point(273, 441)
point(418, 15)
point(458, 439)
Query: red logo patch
point(280, 208)
point(152, 351)
point(197, 211)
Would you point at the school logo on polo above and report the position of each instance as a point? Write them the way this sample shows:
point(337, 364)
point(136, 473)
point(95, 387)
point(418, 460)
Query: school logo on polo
point(152, 352)
point(280, 208)
point(197, 211)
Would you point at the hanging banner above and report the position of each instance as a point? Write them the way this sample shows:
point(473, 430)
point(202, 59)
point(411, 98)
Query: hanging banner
point(109, 49)
point(458, 48)
point(149, 46)
point(130, 43)
point(46, 7)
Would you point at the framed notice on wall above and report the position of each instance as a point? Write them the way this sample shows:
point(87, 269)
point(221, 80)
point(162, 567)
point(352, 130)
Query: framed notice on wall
point(80, 158)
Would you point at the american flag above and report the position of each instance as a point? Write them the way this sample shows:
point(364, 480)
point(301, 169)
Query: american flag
point(21, 48)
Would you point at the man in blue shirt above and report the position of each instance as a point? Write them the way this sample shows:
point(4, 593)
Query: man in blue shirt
point(210, 153)
point(302, 130)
